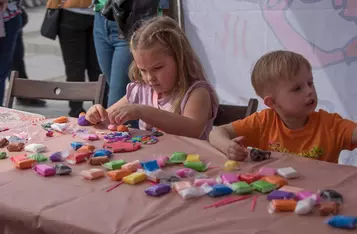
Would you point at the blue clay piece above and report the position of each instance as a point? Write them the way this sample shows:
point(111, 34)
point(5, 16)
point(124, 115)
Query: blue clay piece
point(150, 165)
point(219, 190)
point(76, 145)
point(82, 121)
point(345, 222)
point(102, 152)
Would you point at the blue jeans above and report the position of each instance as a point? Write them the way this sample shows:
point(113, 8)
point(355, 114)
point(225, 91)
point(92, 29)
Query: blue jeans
point(7, 48)
point(113, 55)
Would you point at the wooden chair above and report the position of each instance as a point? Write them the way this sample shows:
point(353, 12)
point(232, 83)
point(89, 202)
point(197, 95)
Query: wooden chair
point(53, 90)
point(229, 113)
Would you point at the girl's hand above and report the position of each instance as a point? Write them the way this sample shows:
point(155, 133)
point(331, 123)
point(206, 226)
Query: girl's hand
point(124, 113)
point(96, 114)
point(236, 151)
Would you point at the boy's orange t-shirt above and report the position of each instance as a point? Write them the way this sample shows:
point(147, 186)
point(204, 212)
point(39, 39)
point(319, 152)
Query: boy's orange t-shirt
point(324, 136)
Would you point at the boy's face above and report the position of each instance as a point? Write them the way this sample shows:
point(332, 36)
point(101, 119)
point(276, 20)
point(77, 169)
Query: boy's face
point(296, 98)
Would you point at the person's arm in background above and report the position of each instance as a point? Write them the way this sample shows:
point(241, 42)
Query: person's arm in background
point(3, 5)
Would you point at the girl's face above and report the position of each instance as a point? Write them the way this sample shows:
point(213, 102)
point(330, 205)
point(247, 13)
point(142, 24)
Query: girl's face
point(158, 69)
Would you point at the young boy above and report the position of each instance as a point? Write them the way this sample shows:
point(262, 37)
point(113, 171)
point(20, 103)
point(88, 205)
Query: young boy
point(283, 79)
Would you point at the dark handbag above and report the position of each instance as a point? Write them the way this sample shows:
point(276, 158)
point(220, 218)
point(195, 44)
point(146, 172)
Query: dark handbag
point(50, 24)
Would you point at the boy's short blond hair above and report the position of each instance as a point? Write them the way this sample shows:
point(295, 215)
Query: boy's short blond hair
point(275, 66)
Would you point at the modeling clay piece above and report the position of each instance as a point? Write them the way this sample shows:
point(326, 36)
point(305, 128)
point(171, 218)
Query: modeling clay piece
point(3, 142)
point(199, 182)
point(304, 207)
point(162, 160)
point(185, 172)
point(242, 188)
point(88, 136)
point(229, 178)
point(15, 139)
point(38, 157)
point(158, 190)
point(134, 178)
point(62, 169)
point(117, 175)
point(164, 179)
point(103, 152)
point(345, 222)
point(181, 185)
point(153, 176)
point(15, 147)
point(197, 166)
point(86, 149)
point(119, 146)
point(150, 165)
point(279, 181)
point(280, 195)
point(193, 158)
point(59, 156)
point(258, 155)
point(132, 166)
point(157, 134)
point(59, 127)
point(35, 148)
point(49, 134)
point(3, 155)
point(287, 172)
point(82, 121)
point(147, 139)
point(112, 127)
point(303, 194)
point(114, 165)
point(263, 186)
point(92, 174)
point(122, 128)
point(267, 171)
point(328, 208)
point(78, 157)
point(117, 136)
point(45, 170)
point(76, 145)
point(331, 195)
point(22, 162)
point(62, 119)
point(292, 189)
point(231, 165)
point(177, 157)
point(192, 192)
point(281, 205)
point(249, 177)
point(98, 160)
point(219, 190)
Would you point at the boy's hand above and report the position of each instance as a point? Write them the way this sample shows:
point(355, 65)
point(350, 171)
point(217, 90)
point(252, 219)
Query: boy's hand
point(236, 151)
point(96, 114)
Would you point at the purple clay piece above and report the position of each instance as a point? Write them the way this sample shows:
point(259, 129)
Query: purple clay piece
point(280, 195)
point(158, 190)
point(56, 157)
point(83, 122)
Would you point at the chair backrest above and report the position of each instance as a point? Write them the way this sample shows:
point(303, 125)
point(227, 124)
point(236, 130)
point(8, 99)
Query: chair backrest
point(53, 90)
point(229, 113)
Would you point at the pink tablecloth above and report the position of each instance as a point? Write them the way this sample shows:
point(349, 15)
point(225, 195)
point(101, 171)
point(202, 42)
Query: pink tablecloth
point(11, 118)
point(31, 204)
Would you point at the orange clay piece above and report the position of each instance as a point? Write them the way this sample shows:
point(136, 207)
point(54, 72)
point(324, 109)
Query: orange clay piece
point(62, 119)
point(86, 148)
point(280, 181)
point(327, 208)
point(122, 128)
point(25, 164)
point(82, 113)
point(283, 205)
point(118, 174)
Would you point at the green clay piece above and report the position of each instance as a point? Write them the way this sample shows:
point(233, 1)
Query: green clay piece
point(3, 155)
point(197, 166)
point(263, 186)
point(177, 157)
point(38, 157)
point(242, 188)
point(114, 165)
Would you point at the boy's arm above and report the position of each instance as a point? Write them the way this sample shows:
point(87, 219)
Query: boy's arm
point(220, 137)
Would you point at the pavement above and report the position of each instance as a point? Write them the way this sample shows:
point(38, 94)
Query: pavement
point(43, 61)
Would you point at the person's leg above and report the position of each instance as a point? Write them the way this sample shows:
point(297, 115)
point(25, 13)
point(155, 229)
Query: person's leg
point(7, 47)
point(72, 37)
point(103, 49)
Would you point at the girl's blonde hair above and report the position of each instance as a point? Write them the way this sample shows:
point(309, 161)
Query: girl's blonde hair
point(164, 31)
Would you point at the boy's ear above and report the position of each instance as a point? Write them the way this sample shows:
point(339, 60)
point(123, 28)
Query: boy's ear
point(269, 101)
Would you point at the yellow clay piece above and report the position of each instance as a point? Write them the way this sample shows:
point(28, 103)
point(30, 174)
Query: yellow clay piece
point(193, 158)
point(231, 165)
point(134, 178)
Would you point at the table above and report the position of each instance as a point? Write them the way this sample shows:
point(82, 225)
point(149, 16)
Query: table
point(12, 118)
point(33, 204)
